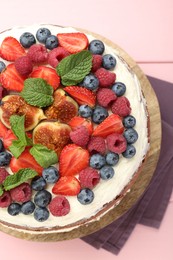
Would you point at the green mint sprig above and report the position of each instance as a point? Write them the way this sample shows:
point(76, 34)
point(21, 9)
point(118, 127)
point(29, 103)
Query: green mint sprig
point(75, 67)
point(37, 92)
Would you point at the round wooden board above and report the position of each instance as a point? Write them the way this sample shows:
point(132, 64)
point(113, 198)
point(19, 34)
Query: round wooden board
point(142, 180)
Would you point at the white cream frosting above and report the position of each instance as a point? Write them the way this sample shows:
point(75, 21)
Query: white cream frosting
point(105, 191)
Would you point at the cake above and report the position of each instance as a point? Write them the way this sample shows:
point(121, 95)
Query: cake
point(84, 112)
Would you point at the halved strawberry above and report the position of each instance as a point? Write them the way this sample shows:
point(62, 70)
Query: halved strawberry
point(73, 42)
point(11, 49)
point(25, 160)
point(78, 121)
point(11, 79)
point(3, 130)
point(47, 74)
point(112, 124)
point(73, 159)
point(82, 95)
point(67, 185)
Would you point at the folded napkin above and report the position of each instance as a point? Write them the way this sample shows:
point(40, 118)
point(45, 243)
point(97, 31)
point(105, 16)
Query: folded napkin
point(150, 208)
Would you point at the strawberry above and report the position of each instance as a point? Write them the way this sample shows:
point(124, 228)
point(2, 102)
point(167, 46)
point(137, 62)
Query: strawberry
point(78, 121)
point(11, 79)
point(67, 185)
point(3, 130)
point(112, 124)
point(47, 74)
point(73, 159)
point(73, 42)
point(82, 95)
point(25, 160)
point(11, 49)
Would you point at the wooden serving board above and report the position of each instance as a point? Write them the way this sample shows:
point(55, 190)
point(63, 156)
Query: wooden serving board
point(142, 180)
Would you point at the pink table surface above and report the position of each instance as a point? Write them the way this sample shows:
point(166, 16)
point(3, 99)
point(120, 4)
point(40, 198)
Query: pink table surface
point(144, 30)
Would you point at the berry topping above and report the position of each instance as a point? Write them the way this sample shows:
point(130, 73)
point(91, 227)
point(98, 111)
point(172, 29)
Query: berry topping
point(105, 97)
point(112, 158)
point(96, 47)
point(96, 145)
point(119, 88)
point(108, 62)
point(89, 178)
point(116, 143)
point(21, 193)
point(85, 111)
point(50, 174)
point(38, 183)
point(131, 135)
point(3, 174)
point(51, 42)
point(41, 214)
point(23, 65)
point(80, 136)
point(77, 121)
point(14, 209)
point(86, 196)
point(99, 114)
point(5, 158)
point(73, 42)
point(96, 62)
point(129, 152)
point(106, 78)
point(73, 159)
point(2, 66)
point(59, 206)
point(42, 34)
point(5, 199)
point(129, 121)
point(106, 172)
point(67, 185)
point(42, 198)
point(27, 39)
point(121, 107)
point(56, 55)
point(97, 161)
point(90, 82)
point(28, 207)
point(11, 49)
point(37, 53)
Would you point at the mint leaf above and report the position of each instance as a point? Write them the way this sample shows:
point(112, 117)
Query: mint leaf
point(37, 92)
point(44, 156)
point(17, 148)
point(1, 190)
point(75, 67)
point(18, 178)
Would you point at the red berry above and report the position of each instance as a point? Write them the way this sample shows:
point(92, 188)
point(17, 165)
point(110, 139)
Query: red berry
point(23, 65)
point(56, 55)
point(59, 206)
point(21, 193)
point(106, 78)
point(3, 174)
point(38, 53)
point(96, 62)
point(80, 136)
point(5, 199)
point(121, 107)
point(105, 96)
point(89, 178)
point(116, 143)
point(96, 145)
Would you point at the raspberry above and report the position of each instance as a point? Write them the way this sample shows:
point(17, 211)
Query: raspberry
point(23, 65)
point(38, 53)
point(80, 136)
point(3, 174)
point(5, 199)
point(121, 106)
point(96, 62)
point(89, 178)
point(106, 78)
point(116, 143)
point(56, 55)
point(59, 206)
point(105, 96)
point(21, 193)
point(97, 145)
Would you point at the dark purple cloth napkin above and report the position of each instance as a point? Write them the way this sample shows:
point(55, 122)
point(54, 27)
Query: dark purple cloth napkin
point(150, 208)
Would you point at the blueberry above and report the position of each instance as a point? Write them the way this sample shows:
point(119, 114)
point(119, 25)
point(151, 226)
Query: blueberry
point(99, 114)
point(119, 88)
point(91, 82)
point(1, 146)
point(112, 158)
point(41, 214)
point(27, 207)
point(27, 39)
point(42, 34)
point(108, 61)
point(85, 196)
point(129, 121)
point(38, 183)
point(85, 111)
point(131, 135)
point(2, 66)
point(106, 172)
point(5, 158)
point(14, 209)
point(130, 151)
point(51, 42)
point(51, 174)
point(97, 161)
point(96, 47)
point(42, 198)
